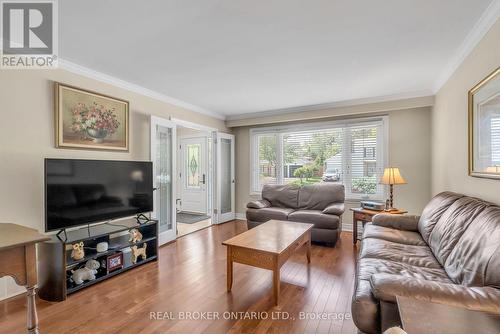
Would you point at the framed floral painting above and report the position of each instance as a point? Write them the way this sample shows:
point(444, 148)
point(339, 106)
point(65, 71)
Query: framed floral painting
point(88, 120)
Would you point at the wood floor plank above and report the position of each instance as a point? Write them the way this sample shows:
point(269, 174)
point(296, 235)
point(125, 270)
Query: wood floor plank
point(190, 276)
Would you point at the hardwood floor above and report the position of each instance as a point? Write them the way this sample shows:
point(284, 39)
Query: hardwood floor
point(190, 276)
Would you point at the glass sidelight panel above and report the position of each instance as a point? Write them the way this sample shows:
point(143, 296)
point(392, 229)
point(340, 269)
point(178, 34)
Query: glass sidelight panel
point(226, 175)
point(163, 137)
point(163, 177)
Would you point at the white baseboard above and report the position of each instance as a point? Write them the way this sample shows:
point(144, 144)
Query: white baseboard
point(241, 216)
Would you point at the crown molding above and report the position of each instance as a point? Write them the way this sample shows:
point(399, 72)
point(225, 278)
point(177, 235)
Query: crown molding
point(355, 110)
point(332, 105)
point(102, 77)
point(482, 26)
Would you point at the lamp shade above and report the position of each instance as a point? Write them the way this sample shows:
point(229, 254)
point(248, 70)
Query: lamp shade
point(392, 176)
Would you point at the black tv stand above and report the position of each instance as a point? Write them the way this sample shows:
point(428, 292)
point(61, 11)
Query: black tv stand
point(55, 262)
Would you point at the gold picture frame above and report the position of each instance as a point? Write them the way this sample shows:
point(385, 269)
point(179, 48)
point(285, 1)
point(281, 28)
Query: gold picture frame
point(484, 127)
point(89, 120)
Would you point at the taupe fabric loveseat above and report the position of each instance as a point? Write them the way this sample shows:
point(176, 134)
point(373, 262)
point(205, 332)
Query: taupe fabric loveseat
point(320, 204)
point(449, 255)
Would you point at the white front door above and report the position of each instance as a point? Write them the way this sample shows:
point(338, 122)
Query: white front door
point(194, 175)
point(225, 178)
point(163, 138)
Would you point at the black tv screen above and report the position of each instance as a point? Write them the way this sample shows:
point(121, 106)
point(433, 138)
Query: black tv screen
point(79, 192)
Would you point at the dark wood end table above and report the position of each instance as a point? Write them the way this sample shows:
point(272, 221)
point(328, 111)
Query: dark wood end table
point(365, 216)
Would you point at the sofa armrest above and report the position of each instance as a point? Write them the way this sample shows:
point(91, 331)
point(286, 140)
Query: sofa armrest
point(334, 209)
point(386, 287)
point(259, 204)
point(399, 222)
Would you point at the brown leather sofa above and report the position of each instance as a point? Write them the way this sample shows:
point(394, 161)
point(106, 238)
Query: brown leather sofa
point(449, 255)
point(320, 204)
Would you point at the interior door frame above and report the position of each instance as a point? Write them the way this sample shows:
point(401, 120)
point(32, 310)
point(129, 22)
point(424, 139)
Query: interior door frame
point(224, 217)
point(170, 235)
point(211, 132)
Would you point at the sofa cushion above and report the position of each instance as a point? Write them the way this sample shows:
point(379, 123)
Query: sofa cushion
point(398, 222)
point(475, 260)
point(265, 214)
point(319, 196)
point(258, 204)
point(389, 234)
point(369, 266)
point(334, 209)
point(365, 308)
point(316, 217)
point(283, 196)
point(434, 210)
point(420, 256)
point(452, 225)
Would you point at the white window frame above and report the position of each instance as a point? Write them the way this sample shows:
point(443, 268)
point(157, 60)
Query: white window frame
point(279, 131)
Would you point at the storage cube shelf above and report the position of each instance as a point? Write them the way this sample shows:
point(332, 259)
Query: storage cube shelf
point(55, 262)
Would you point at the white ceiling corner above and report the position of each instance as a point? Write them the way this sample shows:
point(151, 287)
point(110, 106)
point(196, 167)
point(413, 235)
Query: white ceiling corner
point(482, 26)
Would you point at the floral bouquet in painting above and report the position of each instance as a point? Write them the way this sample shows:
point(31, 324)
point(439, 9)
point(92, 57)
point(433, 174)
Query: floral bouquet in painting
point(94, 121)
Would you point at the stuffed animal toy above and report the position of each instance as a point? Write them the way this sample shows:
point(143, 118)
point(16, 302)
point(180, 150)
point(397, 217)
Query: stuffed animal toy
point(86, 273)
point(78, 253)
point(138, 252)
point(135, 235)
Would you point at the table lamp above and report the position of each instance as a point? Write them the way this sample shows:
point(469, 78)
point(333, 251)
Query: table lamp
point(391, 177)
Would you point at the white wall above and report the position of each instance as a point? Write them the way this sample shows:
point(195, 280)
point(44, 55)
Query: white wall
point(27, 137)
point(450, 123)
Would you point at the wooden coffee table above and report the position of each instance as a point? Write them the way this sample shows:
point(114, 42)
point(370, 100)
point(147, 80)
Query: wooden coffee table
point(268, 246)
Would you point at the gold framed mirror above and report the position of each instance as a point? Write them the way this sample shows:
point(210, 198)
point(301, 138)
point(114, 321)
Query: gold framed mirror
point(484, 127)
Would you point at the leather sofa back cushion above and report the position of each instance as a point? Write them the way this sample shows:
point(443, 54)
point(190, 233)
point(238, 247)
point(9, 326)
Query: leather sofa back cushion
point(283, 196)
point(319, 196)
point(452, 225)
point(475, 260)
point(433, 211)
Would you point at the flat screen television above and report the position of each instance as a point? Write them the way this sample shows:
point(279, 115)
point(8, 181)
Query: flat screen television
point(79, 192)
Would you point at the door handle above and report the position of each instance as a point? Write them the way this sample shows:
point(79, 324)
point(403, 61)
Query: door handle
point(203, 179)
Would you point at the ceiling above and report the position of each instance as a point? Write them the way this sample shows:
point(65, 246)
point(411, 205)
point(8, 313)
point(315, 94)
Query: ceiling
point(232, 57)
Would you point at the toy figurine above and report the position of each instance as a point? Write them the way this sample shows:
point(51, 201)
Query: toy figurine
point(138, 252)
point(78, 253)
point(86, 273)
point(135, 235)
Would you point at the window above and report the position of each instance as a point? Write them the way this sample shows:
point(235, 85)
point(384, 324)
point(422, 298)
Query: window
point(495, 141)
point(352, 153)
